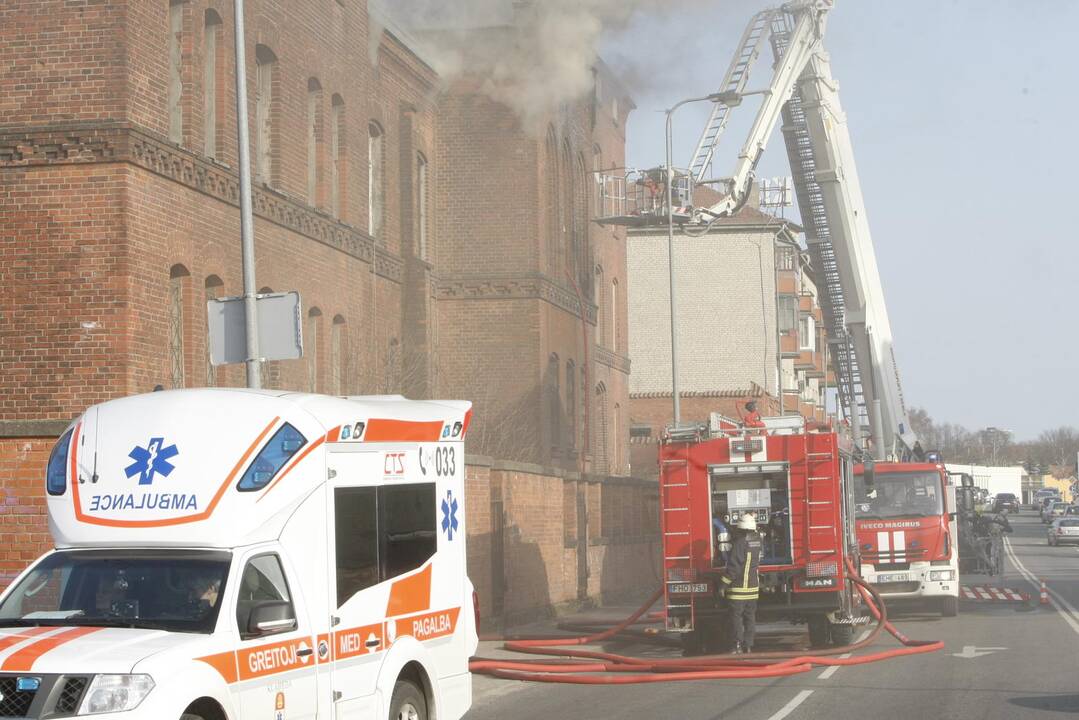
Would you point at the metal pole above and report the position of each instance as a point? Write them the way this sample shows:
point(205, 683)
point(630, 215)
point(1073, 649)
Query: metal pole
point(670, 267)
point(716, 97)
point(247, 224)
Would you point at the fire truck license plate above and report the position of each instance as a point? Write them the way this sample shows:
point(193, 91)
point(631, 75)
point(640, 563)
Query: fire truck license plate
point(686, 588)
point(893, 577)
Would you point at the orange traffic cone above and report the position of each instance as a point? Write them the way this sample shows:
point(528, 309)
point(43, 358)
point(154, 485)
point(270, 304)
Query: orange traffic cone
point(1044, 599)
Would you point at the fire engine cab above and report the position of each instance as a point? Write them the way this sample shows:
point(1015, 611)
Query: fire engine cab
point(797, 485)
point(229, 553)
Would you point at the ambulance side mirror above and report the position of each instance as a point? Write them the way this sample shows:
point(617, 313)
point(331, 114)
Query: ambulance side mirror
point(271, 617)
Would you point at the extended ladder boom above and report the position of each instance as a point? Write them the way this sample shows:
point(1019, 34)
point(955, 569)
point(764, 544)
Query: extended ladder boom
point(803, 92)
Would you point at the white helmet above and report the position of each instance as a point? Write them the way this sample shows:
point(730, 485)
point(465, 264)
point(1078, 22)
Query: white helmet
point(747, 522)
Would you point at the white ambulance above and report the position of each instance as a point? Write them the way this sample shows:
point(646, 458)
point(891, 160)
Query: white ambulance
point(226, 554)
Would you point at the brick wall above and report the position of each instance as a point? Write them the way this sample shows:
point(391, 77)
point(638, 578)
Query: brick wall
point(542, 540)
point(24, 531)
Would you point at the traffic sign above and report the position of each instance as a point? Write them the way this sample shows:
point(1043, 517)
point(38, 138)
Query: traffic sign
point(280, 334)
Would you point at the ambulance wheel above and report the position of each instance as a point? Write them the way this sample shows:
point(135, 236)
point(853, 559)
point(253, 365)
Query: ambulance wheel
point(818, 631)
point(407, 702)
point(189, 716)
point(842, 635)
point(949, 607)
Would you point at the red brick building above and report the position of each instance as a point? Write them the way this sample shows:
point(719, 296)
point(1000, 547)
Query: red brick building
point(436, 246)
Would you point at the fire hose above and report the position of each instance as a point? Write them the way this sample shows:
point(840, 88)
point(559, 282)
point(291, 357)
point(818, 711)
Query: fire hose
point(593, 667)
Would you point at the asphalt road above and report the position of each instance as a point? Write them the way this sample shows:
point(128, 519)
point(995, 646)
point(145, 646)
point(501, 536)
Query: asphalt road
point(1029, 673)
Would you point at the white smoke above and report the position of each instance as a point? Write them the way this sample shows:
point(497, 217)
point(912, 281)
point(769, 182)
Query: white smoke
point(532, 55)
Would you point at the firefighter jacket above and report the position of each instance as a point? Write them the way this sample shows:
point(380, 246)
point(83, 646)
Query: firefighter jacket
point(740, 577)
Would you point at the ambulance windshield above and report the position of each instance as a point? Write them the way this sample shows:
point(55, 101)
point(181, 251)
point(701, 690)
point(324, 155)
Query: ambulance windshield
point(899, 494)
point(175, 590)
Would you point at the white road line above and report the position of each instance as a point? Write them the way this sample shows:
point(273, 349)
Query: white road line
point(830, 671)
point(790, 707)
point(1062, 606)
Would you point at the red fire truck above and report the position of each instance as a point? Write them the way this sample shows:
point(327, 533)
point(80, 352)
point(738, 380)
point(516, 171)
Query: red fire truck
point(907, 533)
point(798, 485)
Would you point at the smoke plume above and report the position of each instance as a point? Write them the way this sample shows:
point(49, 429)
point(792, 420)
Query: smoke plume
point(532, 55)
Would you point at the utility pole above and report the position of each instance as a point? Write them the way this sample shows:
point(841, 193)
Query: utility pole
point(247, 224)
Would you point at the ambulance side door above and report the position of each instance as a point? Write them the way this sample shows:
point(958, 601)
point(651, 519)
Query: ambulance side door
point(276, 656)
point(357, 602)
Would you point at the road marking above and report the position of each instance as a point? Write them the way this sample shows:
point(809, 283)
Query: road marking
point(1070, 614)
point(970, 651)
point(830, 671)
point(792, 705)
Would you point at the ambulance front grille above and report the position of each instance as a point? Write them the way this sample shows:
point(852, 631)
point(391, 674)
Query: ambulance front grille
point(14, 703)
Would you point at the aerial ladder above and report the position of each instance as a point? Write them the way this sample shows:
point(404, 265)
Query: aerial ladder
point(803, 94)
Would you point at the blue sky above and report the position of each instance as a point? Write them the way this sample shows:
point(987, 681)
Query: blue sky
point(964, 117)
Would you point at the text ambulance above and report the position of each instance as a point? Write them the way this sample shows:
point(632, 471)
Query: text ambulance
point(248, 554)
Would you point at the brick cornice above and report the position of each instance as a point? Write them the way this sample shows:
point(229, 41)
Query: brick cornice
point(611, 359)
point(79, 143)
point(32, 428)
point(513, 286)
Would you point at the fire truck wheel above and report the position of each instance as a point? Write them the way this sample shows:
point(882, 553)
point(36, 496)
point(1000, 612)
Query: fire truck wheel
point(692, 643)
point(818, 631)
point(949, 607)
point(842, 635)
point(407, 702)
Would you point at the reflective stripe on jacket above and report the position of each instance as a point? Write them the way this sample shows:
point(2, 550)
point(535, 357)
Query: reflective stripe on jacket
point(740, 577)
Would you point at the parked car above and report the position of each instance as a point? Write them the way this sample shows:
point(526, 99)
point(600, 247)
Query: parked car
point(1045, 506)
point(1056, 510)
point(1064, 530)
point(1006, 502)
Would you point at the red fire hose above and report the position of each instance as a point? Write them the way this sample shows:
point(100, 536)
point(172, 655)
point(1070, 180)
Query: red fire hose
point(593, 667)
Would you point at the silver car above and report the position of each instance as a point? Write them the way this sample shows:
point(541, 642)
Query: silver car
point(1055, 510)
point(1064, 530)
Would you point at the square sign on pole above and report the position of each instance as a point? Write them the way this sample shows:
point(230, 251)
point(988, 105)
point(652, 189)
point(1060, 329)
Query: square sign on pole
point(280, 335)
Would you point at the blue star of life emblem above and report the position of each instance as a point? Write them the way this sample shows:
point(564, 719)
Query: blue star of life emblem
point(449, 515)
point(150, 460)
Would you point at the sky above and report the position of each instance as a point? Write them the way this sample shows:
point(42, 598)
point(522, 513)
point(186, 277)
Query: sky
point(964, 117)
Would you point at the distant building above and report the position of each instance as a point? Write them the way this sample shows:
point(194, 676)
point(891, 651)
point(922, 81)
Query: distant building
point(749, 325)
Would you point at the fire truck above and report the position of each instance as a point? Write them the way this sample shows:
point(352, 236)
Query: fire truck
point(906, 520)
point(798, 486)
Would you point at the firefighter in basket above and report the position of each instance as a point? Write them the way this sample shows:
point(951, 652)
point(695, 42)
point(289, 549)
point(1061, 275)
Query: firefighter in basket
point(740, 583)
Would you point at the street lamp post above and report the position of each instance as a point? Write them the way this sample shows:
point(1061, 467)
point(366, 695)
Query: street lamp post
point(715, 97)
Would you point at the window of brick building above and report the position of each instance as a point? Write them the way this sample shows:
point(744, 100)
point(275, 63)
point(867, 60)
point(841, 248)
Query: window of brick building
point(311, 347)
point(565, 206)
point(616, 440)
point(215, 288)
point(788, 313)
point(421, 204)
point(314, 139)
point(807, 335)
point(337, 154)
point(599, 292)
point(179, 276)
point(615, 338)
point(213, 65)
point(375, 194)
point(554, 213)
point(554, 400)
point(337, 356)
point(571, 404)
point(597, 179)
point(602, 463)
point(265, 110)
point(176, 71)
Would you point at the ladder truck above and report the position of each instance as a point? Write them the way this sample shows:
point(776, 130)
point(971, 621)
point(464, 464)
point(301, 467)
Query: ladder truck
point(802, 98)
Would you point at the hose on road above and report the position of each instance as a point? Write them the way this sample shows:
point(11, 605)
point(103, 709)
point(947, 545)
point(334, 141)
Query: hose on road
point(593, 667)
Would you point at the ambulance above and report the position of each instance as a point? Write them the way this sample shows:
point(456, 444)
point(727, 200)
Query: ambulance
point(227, 553)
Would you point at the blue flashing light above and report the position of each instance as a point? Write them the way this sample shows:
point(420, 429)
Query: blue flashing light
point(278, 451)
point(56, 470)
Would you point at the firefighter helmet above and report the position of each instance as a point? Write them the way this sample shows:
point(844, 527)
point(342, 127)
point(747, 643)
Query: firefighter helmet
point(747, 522)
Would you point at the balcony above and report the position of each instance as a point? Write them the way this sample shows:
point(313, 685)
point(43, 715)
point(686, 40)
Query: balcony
point(788, 345)
point(804, 360)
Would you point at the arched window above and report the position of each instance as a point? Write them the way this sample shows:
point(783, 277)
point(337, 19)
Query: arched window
point(374, 179)
point(337, 154)
point(212, 81)
point(571, 404)
point(614, 320)
point(311, 347)
point(600, 299)
point(214, 287)
point(266, 101)
point(337, 355)
point(597, 179)
point(602, 460)
point(565, 205)
point(179, 280)
point(314, 139)
point(554, 213)
point(554, 401)
point(421, 204)
point(176, 70)
point(616, 440)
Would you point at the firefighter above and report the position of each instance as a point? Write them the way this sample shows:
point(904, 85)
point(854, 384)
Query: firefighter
point(740, 583)
point(752, 418)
